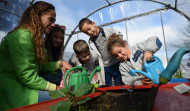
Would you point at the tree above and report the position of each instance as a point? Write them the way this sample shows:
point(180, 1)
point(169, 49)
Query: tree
point(185, 38)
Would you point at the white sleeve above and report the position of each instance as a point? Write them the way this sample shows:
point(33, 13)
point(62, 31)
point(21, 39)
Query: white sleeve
point(127, 78)
point(152, 44)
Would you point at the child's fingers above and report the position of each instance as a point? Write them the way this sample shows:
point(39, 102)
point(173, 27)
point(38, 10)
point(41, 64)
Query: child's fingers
point(58, 88)
point(95, 76)
point(147, 79)
point(147, 82)
point(148, 56)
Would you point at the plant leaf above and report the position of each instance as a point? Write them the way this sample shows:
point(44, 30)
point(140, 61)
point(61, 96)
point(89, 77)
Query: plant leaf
point(84, 100)
point(93, 90)
point(55, 94)
point(84, 89)
point(87, 87)
point(72, 88)
point(79, 93)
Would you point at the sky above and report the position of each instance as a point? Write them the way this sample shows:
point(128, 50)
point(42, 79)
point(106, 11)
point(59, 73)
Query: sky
point(70, 12)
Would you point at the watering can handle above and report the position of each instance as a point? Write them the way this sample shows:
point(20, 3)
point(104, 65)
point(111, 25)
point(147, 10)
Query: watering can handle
point(93, 72)
point(67, 73)
point(145, 64)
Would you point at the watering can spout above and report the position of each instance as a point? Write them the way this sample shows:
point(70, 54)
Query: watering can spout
point(173, 65)
point(93, 72)
point(148, 75)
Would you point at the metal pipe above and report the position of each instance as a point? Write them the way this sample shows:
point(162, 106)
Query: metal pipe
point(117, 21)
point(10, 12)
point(164, 38)
point(127, 38)
point(175, 4)
point(167, 5)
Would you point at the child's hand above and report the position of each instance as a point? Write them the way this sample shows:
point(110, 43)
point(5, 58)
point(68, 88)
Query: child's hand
point(147, 55)
point(146, 81)
point(58, 87)
point(95, 77)
point(62, 81)
point(65, 66)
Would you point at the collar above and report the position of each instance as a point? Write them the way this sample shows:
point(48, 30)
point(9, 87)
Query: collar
point(100, 31)
point(81, 62)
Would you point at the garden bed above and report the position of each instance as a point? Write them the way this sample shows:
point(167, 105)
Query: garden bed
point(167, 98)
point(123, 100)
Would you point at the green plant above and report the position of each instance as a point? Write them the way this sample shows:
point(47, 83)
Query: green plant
point(73, 97)
point(178, 74)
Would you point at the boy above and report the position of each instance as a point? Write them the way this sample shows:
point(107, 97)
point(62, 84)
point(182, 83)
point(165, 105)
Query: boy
point(97, 42)
point(89, 60)
point(133, 58)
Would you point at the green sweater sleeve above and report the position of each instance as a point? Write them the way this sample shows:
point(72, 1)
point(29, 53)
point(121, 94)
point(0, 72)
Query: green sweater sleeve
point(23, 58)
point(49, 67)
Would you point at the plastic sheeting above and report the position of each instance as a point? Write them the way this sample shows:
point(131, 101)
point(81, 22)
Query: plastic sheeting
point(143, 19)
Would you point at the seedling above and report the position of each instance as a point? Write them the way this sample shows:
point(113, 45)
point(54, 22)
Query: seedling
point(73, 97)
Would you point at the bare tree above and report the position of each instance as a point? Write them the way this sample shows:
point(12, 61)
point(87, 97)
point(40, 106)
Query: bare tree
point(185, 38)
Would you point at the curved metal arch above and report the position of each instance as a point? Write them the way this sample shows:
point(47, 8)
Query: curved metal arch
point(32, 1)
point(10, 12)
point(167, 6)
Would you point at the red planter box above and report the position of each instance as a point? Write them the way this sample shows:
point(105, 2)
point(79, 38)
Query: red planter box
point(167, 99)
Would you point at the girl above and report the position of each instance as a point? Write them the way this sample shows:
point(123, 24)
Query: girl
point(54, 51)
point(133, 58)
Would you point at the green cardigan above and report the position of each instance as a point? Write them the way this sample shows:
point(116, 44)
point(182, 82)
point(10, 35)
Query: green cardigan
point(49, 67)
point(19, 71)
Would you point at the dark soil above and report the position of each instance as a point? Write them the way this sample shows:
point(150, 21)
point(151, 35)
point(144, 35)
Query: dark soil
point(122, 100)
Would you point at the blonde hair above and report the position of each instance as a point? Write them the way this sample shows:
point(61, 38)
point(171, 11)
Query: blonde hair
point(31, 20)
point(81, 48)
point(113, 41)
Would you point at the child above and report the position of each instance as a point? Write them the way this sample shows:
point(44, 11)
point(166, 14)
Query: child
point(54, 49)
point(97, 42)
point(89, 60)
point(133, 58)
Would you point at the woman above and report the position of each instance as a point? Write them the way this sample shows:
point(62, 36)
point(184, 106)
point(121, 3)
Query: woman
point(21, 52)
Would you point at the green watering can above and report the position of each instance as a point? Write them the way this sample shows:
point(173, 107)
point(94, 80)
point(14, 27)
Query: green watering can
point(79, 78)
